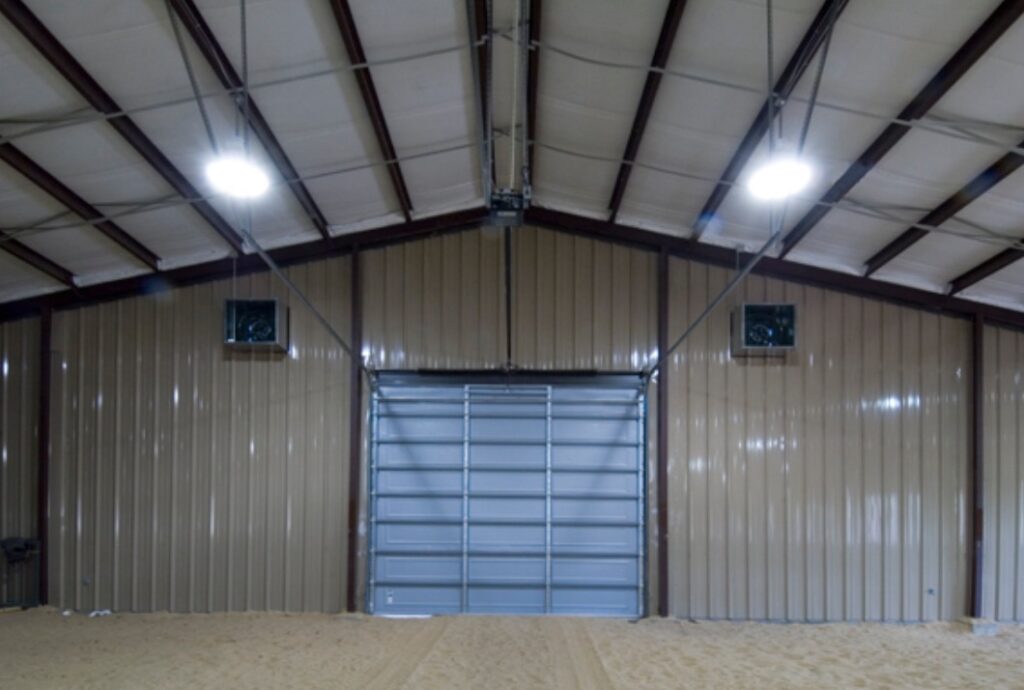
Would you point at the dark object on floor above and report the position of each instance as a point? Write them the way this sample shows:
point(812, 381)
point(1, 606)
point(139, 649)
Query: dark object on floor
point(17, 550)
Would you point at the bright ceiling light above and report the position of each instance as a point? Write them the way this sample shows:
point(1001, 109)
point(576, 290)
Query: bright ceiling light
point(779, 178)
point(237, 176)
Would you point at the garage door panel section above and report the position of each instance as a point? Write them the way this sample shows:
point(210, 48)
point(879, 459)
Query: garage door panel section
point(511, 498)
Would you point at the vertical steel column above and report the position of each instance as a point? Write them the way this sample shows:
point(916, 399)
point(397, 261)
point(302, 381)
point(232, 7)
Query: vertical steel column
point(43, 451)
point(977, 495)
point(371, 578)
point(641, 505)
point(661, 474)
point(464, 606)
point(355, 433)
point(547, 504)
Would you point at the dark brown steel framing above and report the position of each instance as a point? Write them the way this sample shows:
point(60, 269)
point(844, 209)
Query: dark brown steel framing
point(219, 62)
point(661, 471)
point(50, 48)
point(949, 74)
point(666, 38)
point(977, 490)
point(43, 452)
point(355, 437)
point(356, 55)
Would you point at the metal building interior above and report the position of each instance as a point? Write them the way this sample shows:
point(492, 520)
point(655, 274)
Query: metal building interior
point(509, 248)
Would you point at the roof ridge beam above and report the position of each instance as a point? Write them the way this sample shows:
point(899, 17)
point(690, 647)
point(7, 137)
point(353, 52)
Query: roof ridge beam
point(532, 83)
point(970, 192)
point(1001, 19)
point(662, 49)
point(57, 55)
point(356, 55)
point(805, 51)
point(86, 211)
point(221, 65)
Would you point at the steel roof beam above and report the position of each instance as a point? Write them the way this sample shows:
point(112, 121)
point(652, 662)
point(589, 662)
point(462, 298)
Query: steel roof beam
point(37, 261)
point(809, 45)
point(219, 62)
point(985, 269)
point(667, 37)
point(17, 159)
point(356, 55)
point(47, 44)
point(982, 183)
point(949, 74)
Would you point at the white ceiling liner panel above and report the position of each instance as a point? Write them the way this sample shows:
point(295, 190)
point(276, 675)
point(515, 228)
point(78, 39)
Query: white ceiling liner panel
point(1000, 210)
point(18, 280)
point(974, 98)
point(83, 250)
point(693, 129)
point(559, 186)
point(696, 127)
point(127, 47)
point(429, 103)
point(277, 217)
point(97, 164)
point(937, 259)
point(30, 87)
point(864, 47)
point(1002, 288)
point(921, 172)
point(86, 252)
point(101, 39)
point(588, 107)
point(319, 119)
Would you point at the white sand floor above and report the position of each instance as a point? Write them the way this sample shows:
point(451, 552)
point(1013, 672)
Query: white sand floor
point(41, 649)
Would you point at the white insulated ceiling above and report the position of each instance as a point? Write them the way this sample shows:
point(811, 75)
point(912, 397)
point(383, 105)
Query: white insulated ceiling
point(592, 59)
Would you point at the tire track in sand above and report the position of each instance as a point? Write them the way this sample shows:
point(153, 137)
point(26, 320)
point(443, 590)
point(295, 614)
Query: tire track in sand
point(397, 669)
point(577, 664)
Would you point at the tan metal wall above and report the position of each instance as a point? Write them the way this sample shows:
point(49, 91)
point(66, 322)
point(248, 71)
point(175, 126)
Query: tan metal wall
point(1003, 452)
point(577, 303)
point(188, 477)
point(826, 486)
point(19, 400)
point(437, 303)
point(829, 485)
point(580, 303)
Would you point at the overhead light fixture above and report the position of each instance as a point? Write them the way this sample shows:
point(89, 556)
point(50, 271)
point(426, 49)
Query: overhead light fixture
point(780, 178)
point(237, 176)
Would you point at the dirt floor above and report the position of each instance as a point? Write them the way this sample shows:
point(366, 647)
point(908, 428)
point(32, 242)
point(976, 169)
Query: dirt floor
point(42, 649)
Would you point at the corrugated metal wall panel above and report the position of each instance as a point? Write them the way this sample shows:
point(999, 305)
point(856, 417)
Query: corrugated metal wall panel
point(1003, 586)
point(437, 303)
point(580, 303)
point(826, 485)
point(19, 400)
point(189, 477)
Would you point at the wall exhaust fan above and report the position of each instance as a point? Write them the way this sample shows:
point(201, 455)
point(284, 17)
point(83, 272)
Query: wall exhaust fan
point(255, 324)
point(763, 329)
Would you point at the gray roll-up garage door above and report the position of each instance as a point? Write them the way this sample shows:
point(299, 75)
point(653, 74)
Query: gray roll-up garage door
point(495, 498)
